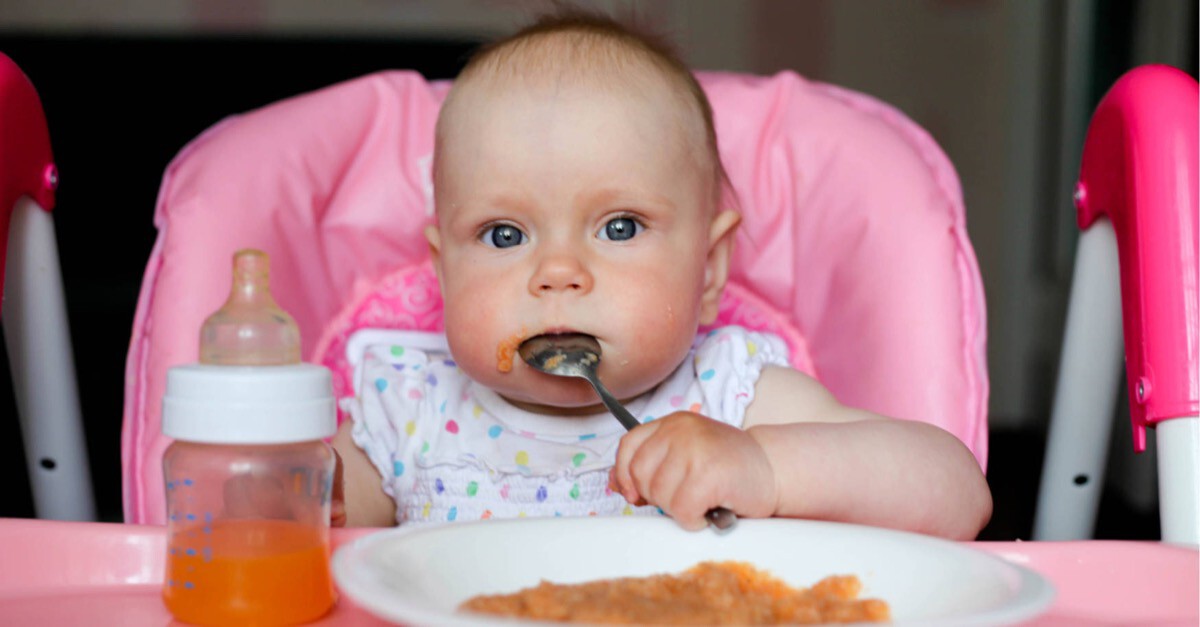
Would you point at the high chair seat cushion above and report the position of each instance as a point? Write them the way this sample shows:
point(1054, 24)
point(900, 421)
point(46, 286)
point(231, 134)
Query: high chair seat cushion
point(853, 244)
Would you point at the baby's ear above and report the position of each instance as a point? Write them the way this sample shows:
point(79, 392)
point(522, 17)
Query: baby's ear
point(434, 237)
point(716, 267)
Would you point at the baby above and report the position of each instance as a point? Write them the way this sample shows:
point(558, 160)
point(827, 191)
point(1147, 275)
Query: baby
point(578, 189)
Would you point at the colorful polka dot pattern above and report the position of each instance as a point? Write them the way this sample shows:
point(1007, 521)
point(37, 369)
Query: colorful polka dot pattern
point(449, 457)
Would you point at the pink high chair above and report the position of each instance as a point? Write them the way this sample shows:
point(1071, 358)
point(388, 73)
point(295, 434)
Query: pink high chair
point(853, 246)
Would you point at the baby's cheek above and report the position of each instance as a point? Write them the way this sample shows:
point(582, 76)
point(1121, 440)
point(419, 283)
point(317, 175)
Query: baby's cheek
point(472, 343)
point(668, 327)
point(650, 357)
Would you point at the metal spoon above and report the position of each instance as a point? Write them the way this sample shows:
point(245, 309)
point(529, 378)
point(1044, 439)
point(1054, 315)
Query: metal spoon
point(578, 355)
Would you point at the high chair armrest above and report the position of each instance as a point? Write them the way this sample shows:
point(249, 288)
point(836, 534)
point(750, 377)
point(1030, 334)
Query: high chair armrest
point(34, 311)
point(1139, 169)
point(26, 164)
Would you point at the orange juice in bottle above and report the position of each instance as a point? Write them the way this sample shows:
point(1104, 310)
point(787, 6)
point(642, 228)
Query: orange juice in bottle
point(248, 477)
point(249, 572)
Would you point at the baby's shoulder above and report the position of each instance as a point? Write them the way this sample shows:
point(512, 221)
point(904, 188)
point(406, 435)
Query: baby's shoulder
point(404, 353)
point(738, 345)
point(410, 374)
point(403, 358)
point(726, 365)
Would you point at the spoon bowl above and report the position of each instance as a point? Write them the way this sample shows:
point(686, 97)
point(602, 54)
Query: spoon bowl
point(573, 355)
point(578, 355)
point(566, 355)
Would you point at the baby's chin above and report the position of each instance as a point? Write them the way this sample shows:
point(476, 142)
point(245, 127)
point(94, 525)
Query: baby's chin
point(565, 395)
point(534, 407)
point(573, 407)
point(548, 394)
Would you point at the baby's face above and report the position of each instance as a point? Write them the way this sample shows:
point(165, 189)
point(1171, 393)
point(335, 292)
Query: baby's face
point(563, 209)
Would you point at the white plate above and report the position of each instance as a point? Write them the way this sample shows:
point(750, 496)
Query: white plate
point(420, 575)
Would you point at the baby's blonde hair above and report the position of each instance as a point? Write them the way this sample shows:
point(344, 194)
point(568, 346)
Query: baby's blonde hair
point(570, 39)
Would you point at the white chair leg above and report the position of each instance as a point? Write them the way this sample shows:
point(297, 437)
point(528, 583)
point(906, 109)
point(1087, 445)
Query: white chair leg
point(1178, 489)
point(43, 367)
point(1086, 392)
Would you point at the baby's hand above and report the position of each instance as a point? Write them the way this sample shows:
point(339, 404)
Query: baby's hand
point(688, 464)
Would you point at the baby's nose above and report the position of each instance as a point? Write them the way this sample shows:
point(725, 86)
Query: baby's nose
point(561, 272)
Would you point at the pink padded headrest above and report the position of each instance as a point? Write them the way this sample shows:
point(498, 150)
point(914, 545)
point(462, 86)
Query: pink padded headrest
point(853, 243)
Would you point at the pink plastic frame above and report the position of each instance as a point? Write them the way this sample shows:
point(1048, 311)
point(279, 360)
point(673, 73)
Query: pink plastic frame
point(26, 163)
point(1139, 170)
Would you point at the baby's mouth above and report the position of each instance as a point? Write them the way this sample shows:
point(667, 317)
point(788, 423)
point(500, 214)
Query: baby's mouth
point(508, 349)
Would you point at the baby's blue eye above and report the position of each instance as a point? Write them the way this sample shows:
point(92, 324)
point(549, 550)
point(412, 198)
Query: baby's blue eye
point(503, 236)
point(620, 229)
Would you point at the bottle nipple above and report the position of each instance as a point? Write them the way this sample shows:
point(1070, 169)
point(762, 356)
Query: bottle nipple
point(250, 329)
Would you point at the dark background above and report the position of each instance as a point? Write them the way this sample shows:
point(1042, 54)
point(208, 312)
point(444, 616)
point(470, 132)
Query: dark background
point(120, 107)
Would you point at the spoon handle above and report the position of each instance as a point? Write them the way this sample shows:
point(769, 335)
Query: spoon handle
point(612, 403)
point(719, 517)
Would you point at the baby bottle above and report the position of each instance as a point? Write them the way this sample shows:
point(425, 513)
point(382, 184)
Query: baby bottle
point(248, 477)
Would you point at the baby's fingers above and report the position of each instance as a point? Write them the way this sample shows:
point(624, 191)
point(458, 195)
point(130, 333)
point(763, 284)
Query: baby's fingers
point(613, 486)
point(630, 444)
point(690, 502)
point(671, 488)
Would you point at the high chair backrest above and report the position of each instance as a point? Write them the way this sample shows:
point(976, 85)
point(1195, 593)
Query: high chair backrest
point(34, 308)
point(853, 245)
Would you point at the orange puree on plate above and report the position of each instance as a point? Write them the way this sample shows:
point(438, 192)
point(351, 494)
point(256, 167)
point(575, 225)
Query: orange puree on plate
point(714, 593)
point(248, 572)
point(505, 351)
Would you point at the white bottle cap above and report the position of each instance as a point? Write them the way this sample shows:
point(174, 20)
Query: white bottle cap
point(213, 404)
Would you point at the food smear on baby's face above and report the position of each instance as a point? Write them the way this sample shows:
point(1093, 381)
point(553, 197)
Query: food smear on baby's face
point(711, 593)
point(505, 351)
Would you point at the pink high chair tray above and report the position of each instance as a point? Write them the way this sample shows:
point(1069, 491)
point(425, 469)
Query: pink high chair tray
point(61, 573)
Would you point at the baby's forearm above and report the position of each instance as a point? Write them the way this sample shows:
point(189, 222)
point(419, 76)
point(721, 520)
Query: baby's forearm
point(882, 472)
